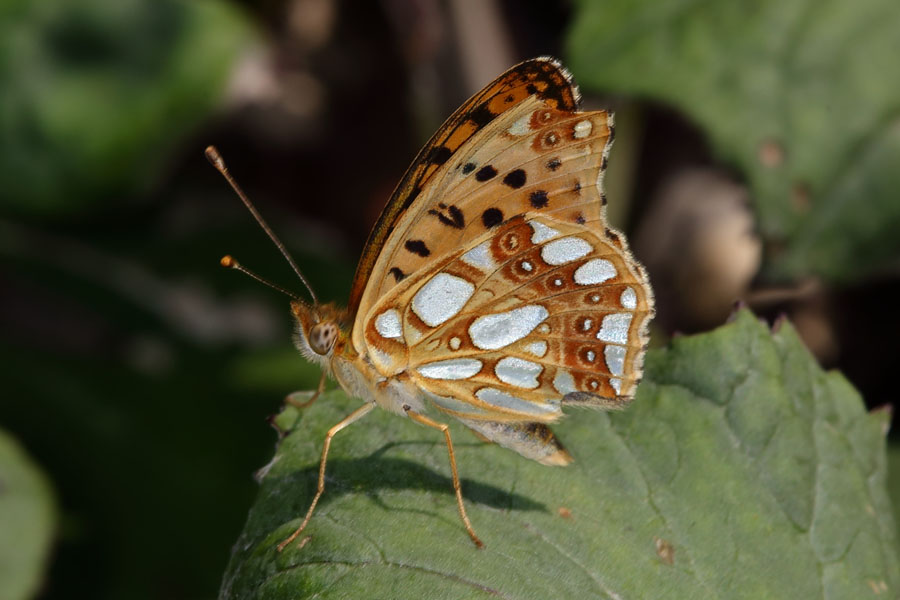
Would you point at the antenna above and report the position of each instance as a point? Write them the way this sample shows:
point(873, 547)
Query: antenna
point(228, 262)
point(219, 163)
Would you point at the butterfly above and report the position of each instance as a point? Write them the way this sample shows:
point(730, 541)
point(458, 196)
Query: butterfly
point(491, 289)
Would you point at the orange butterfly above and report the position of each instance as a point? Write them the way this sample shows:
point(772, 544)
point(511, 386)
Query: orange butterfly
point(491, 288)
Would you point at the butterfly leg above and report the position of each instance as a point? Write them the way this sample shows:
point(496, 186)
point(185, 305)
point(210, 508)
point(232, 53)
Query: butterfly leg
point(298, 404)
point(456, 487)
point(348, 420)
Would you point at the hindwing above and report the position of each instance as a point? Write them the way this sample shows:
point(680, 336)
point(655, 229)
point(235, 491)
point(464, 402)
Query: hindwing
point(497, 285)
point(536, 314)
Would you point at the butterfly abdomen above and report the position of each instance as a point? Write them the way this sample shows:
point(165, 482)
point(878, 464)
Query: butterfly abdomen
point(532, 440)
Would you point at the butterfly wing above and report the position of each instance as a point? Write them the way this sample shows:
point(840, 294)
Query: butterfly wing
point(535, 314)
point(499, 288)
point(542, 79)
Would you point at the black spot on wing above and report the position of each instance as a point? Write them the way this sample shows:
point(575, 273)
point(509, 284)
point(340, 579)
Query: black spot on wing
point(603, 163)
point(397, 273)
point(577, 187)
point(481, 115)
point(468, 168)
point(451, 216)
point(413, 194)
point(515, 179)
point(485, 173)
point(439, 155)
point(492, 217)
point(417, 247)
point(554, 163)
point(539, 199)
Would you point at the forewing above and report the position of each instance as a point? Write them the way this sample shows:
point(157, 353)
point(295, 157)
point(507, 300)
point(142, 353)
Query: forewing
point(530, 160)
point(541, 80)
point(535, 313)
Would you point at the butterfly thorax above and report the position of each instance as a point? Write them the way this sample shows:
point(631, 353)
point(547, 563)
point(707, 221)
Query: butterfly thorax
point(323, 337)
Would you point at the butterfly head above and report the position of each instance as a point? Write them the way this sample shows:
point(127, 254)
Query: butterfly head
point(320, 330)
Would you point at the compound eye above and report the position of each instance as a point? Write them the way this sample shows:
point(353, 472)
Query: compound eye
point(322, 337)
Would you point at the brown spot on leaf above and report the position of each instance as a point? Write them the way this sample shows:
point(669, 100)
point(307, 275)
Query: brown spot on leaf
point(665, 551)
point(771, 153)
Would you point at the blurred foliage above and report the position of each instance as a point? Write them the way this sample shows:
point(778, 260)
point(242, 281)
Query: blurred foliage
point(150, 428)
point(737, 443)
point(96, 94)
point(797, 95)
point(28, 516)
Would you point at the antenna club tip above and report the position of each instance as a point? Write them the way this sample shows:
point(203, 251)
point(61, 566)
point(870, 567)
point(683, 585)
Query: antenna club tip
point(213, 156)
point(228, 262)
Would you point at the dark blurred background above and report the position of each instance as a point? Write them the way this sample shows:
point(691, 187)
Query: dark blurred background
point(755, 160)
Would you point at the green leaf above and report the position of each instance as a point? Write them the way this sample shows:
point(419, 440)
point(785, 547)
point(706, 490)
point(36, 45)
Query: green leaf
point(741, 470)
point(794, 93)
point(27, 521)
point(893, 477)
point(97, 94)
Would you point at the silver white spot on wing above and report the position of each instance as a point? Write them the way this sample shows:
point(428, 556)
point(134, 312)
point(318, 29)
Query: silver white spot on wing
point(454, 343)
point(520, 127)
point(454, 368)
point(501, 399)
point(594, 271)
point(587, 324)
point(542, 233)
point(491, 332)
point(518, 372)
point(539, 349)
point(480, 257)
point(388, 325)
point(616, 384)
point(526, 266)
point(591, 355)
point(629, 299)
point(615, 359)
point(615, 328)
point(565, 250)
point(563, 382)
point(582, 129)
point(442, 297)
